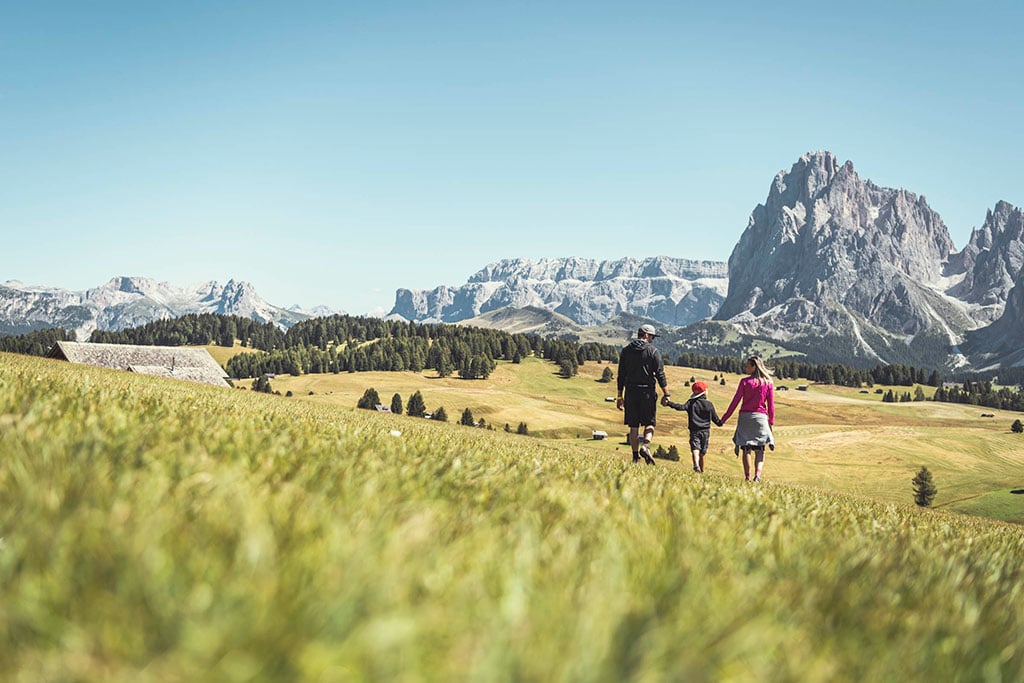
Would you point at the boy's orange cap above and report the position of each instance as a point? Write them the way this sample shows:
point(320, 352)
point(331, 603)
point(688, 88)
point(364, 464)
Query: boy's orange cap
point(699, 388)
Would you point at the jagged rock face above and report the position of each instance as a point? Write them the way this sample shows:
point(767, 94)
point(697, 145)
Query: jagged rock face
point(828, 253)
point(992, 261)
point(129, 302)
point(1002, 342)
point(669, 290)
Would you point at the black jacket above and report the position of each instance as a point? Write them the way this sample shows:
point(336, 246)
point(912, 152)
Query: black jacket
point(700, 411)
point(640, 363)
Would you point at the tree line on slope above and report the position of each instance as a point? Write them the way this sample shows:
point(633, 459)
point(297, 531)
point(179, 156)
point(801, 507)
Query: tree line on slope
point(197, 329)
point(343, 343)
point(35, 343)
point(982, 394)
point(447, 349)
point(830, 373)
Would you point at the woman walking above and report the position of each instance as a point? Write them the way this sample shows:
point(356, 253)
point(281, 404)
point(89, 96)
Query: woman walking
point(755, 397)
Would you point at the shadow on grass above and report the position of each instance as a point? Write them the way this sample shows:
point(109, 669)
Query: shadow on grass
point(1017, 491)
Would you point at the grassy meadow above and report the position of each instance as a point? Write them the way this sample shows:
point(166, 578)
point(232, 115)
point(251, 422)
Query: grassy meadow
point(830, 437)
point(155, 530)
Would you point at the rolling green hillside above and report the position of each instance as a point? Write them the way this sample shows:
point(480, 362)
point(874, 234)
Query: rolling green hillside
point(153, 530)
point(831, 437)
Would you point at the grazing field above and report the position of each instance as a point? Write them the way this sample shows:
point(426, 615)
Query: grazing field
point(830, 437)
point(154, 530)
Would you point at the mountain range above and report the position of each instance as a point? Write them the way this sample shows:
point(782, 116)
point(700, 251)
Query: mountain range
point(831, 266)
point(129, 302)
point(673, 291)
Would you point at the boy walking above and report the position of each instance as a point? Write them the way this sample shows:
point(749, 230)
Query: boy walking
point(701, 413)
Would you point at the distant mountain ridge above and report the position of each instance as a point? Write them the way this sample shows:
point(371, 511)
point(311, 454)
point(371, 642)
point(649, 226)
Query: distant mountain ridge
point(126, 302)
point(675, 291)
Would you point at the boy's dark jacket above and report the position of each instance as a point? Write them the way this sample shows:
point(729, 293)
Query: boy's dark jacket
point(701, 412)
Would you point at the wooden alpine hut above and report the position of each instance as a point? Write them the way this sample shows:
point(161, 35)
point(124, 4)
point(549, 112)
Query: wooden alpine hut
point(177, 362)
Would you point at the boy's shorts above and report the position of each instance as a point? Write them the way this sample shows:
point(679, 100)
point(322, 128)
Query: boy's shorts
point(699, 440)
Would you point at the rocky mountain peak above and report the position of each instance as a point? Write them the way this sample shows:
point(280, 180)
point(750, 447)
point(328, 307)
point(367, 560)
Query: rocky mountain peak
point(827, 249)
point(992, 261)
point(811, 173)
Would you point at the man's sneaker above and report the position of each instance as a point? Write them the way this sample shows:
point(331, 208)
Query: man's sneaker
point(645, 451)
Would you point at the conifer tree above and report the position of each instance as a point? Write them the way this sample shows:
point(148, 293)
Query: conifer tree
point(1017, 427)
point(416, 406)
point(924, 488)
point(370, 399)
point(440, 415)
point(467, 418)
point(396, 404)
point(607, 376)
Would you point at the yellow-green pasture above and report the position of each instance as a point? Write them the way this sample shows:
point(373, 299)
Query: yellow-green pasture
point(223, 354)
point(831, 437)
point(156, 530)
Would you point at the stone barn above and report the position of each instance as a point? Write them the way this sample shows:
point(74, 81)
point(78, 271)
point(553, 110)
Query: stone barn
point(177, 362)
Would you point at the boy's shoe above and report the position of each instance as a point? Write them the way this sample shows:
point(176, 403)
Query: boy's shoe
point(697, 469)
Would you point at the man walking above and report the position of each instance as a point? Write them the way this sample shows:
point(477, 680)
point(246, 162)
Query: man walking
point(640, 367)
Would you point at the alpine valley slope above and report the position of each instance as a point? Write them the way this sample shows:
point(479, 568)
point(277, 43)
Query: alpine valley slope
point(831, 266)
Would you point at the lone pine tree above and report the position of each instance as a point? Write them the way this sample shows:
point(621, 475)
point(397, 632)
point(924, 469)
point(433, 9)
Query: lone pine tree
point(924, 488)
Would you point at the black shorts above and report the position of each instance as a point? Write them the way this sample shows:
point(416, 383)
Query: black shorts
point(640, 405)
point(699, 440)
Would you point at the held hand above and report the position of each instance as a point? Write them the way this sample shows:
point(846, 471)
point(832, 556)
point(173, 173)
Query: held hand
point(664, 400)
point(618, 403)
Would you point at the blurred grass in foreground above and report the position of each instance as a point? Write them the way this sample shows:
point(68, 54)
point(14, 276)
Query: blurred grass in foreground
point(160, 531)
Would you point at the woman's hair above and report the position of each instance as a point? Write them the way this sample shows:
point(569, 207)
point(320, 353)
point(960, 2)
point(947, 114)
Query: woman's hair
point(761, 371)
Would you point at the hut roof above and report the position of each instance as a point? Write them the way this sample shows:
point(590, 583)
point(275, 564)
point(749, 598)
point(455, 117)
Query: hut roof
point(179, 362)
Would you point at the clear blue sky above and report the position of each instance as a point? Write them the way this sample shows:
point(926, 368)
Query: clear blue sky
point(332, 152)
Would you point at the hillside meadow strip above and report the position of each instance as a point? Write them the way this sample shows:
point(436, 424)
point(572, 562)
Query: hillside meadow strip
point(155, 530)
